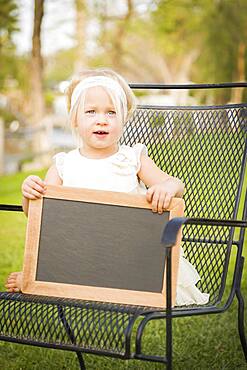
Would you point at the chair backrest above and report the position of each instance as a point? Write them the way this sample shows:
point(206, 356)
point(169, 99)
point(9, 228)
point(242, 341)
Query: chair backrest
point(206, 148)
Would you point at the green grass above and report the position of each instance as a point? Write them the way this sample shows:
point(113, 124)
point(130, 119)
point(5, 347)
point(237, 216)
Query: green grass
point(204, 342)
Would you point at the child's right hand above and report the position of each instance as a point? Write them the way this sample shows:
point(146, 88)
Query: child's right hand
point(33, 187)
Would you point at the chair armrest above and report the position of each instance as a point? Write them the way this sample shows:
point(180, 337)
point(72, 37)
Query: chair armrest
point(171, 229)
point(11, 207)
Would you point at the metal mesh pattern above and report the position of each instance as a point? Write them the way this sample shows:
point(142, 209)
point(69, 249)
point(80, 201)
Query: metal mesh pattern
point(209, 259)
point(204, 147)
point(89, 325)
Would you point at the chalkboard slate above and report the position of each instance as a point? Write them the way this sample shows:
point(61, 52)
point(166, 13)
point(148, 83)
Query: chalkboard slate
point(130, 256)
point(97, 245)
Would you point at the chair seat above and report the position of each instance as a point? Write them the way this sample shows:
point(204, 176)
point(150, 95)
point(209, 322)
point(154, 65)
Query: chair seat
point(94, 327)
point(67, 323)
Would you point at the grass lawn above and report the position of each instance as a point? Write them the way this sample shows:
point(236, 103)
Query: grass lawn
point(204, 342)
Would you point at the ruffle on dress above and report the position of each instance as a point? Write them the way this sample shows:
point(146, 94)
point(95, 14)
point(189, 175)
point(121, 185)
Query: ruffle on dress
point(187, 292)
point(59, 161)
point(123, 163)
point(127, 159)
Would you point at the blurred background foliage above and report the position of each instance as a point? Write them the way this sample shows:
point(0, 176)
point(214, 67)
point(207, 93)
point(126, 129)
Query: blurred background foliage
point(166, 41)
point(152, 41)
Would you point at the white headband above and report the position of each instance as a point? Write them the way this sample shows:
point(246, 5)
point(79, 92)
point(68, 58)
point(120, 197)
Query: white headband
point(106, 82)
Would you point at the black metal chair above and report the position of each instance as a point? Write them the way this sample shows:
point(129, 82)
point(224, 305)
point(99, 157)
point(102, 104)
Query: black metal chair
point(207, 148)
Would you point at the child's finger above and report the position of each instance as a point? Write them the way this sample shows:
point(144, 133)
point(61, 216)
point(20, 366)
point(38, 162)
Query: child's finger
point(32, 194)
point(39, 188)
point(29, 196)
point(149, 194)
point(167, 200)
point(37, 180)
point(34, 186)
point(155, 201)
point(28, 187)
point(33, 182)
point(161, 202)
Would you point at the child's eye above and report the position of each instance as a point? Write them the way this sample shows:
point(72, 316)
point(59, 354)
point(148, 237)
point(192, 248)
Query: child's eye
point(111, 113)
point(90, 111)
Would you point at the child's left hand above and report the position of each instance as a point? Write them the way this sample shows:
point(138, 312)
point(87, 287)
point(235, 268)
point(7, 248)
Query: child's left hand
point(160, 195)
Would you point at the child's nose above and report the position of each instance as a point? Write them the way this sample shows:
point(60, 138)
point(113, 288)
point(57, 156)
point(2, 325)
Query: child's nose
point(101, 119)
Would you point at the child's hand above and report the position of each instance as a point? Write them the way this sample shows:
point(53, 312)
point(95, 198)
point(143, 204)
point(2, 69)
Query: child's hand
point(33, 187)
point(160, 195)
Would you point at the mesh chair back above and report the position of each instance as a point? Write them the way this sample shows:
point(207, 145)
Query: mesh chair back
point(206, 148)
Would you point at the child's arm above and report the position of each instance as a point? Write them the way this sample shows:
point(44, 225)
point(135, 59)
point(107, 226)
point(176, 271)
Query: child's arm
point(33, 187)
point(162, 187)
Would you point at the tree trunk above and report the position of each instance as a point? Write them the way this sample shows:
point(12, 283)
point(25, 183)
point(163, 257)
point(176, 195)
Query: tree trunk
point(39, 142)
point(237, 93)
point(80, 62)
point(118, 44)
point(37, 98)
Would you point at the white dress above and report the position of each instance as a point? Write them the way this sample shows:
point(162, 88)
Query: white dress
point(119, 173)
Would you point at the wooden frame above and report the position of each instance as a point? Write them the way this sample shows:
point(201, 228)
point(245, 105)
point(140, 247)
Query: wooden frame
point(32, 286)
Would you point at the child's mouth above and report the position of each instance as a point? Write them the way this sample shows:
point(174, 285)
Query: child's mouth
point(101, 133)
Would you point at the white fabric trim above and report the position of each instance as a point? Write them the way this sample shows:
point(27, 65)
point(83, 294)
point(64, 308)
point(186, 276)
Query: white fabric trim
point(106, 82)
point(59, 159)
point(139, 150)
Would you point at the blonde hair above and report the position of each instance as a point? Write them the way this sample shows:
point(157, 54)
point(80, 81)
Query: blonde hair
point(130, 97)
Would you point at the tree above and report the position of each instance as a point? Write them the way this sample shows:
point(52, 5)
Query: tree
point(121, 29)
point(81, 10)
point(37, 98)
point(115, 23)
point(40, 141)
point(8, 25)
point(8, 20)
point(225, 35)
point(175, 26)
point(214, 30)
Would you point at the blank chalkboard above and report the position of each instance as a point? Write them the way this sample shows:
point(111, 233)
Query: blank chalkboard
point(97, 245)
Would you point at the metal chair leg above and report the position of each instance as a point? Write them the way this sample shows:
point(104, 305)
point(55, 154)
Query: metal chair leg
point(81, 361)
point(241, 311)
point(169, 309)
point(71, 336)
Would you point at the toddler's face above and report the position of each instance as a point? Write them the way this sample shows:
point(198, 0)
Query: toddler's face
point(97, 122)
